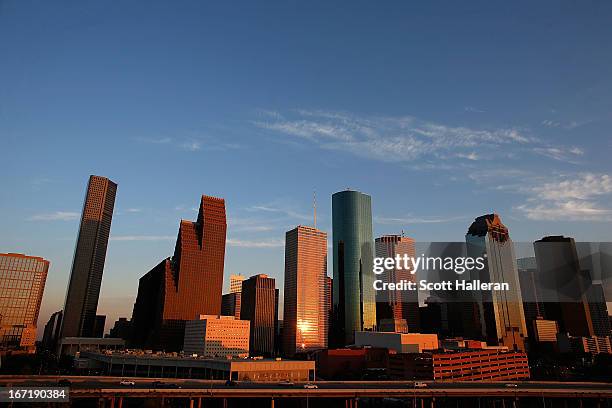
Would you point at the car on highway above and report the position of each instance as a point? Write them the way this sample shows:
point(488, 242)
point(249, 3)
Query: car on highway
point(64, 383)
point(420, 385)
point(128, 383)
point(511, 385)
point(160, 384)
point(286, 383)
point(311, 386)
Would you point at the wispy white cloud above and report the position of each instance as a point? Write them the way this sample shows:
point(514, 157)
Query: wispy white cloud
point(279, 210)
point(194, 143)
point(473, 109)
point(564, 125)
point(410, 219)
point(55, 216)
point(133, 210)
point(151, 140)
point(566, 154)
point(409, 139)
point(575, 197)
point(191, 146)
point(260, 243)
point(142, 238)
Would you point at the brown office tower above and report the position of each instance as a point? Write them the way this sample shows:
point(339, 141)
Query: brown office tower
point(89, 256)
point(258, 305)
point(395, 304)
point(305, 322)
point(185, 286)
point(22, 282)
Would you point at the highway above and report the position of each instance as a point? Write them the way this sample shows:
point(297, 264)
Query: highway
point(84, 387)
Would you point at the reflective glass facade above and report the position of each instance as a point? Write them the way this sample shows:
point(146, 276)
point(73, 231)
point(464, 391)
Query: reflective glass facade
point(353, 251)
point(305, 315)
point(22, 282)
point(501, 312)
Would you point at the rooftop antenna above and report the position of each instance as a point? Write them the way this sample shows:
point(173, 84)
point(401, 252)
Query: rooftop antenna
point(402, 233)
point(314, 207)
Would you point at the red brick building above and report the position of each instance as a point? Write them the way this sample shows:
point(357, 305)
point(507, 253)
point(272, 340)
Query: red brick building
point(470, 365)
point(186, 285)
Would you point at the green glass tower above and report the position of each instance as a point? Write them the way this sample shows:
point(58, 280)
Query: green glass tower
point(353, 294)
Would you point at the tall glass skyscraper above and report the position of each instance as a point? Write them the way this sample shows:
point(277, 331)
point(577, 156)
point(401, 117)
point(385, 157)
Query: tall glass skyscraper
point(89, 256)
point(501, 312)
point(354, 296)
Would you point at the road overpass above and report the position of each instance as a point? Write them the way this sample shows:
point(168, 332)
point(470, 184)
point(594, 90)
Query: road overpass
point(110, 393)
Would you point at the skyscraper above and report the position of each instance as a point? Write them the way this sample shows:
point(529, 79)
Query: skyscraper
point(89, 256)
point(22, 282)
point(259, 302)
point(533, 307)
point(394, 304)
point(186, 285)
point(230, 304)
point(52, 331)
point(564, 285)
point(501, 312)
point(354, 296)
point(236, 283)
point(599, 311)
point(305, 322)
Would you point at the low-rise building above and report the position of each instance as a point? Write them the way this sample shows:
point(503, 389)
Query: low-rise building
point(580, 344)
point(472, 365)
point(174, 365)
point(74, 345)
point(350, 363)
point(217, 336)
point(399, 342)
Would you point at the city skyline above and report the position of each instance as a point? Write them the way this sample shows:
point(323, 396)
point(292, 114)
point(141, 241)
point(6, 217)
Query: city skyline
point(439, 112)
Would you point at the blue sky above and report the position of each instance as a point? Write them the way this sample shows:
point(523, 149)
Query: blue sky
point(442, 112)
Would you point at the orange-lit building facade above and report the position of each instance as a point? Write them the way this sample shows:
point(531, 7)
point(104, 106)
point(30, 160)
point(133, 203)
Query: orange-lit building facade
point(306, 309)
point(394, 304)
point(22, 282)
point(89, 257)
point(472, 365)
point(184, 286)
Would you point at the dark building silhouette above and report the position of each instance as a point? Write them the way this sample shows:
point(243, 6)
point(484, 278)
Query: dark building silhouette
point(89, 256)
point(99, 323)
point(564, 285)
point(599, 311)
point(431, 316)
point(230, 304)
point(122, 329)
point(329, 290)
point(530, 288)
point(52, 331)
point(259, 305)
point(184, 286)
